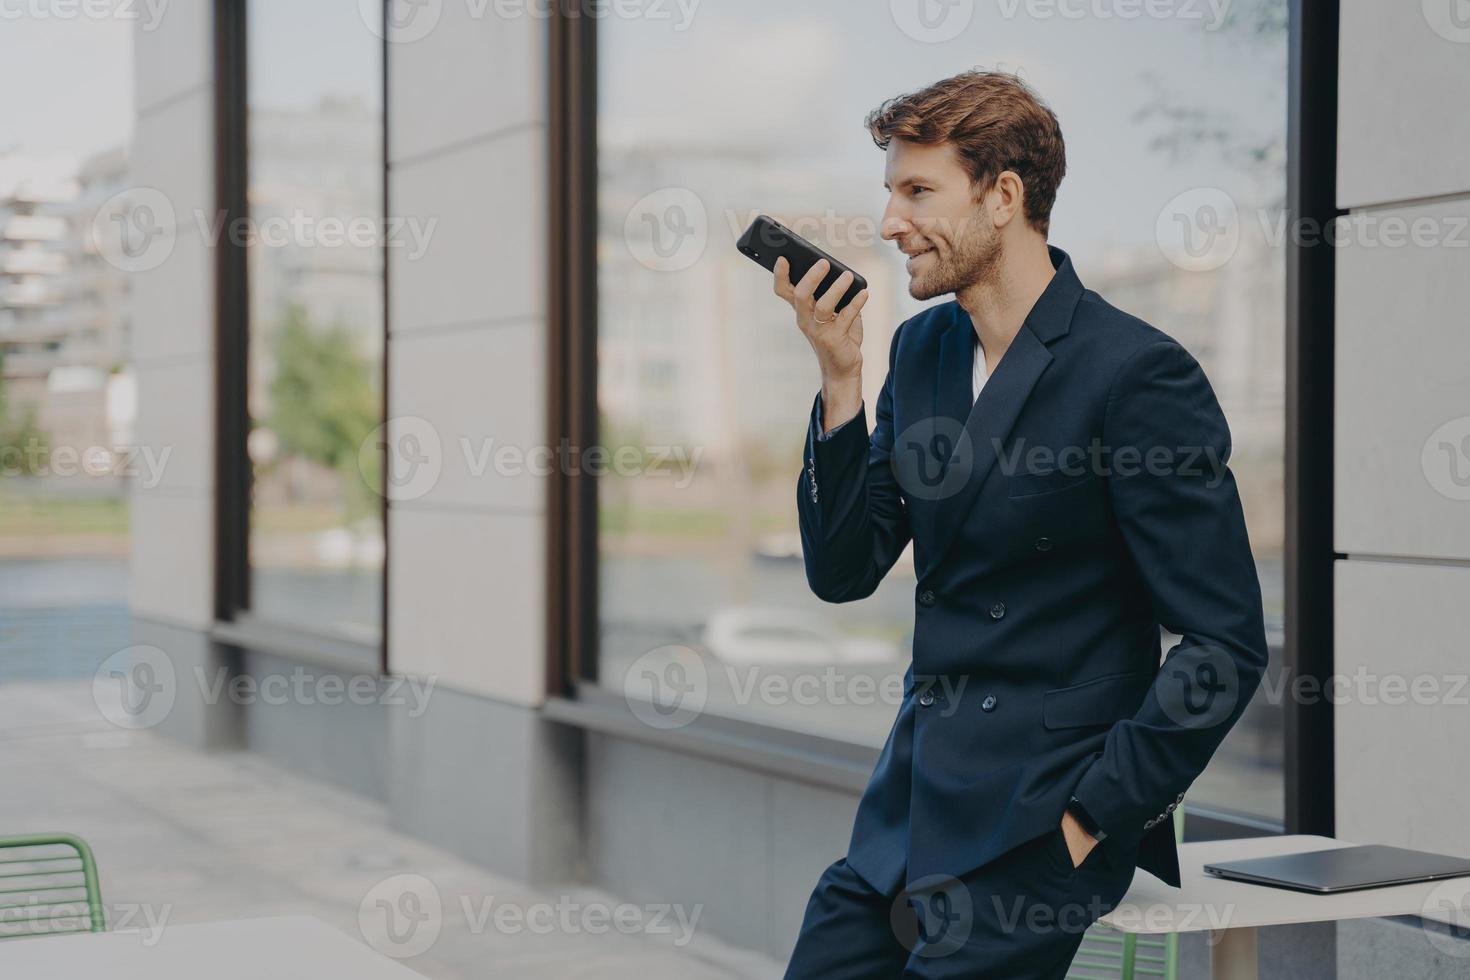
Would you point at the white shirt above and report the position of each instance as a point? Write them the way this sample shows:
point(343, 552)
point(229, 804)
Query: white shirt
point(981, 375)
point(978, 377)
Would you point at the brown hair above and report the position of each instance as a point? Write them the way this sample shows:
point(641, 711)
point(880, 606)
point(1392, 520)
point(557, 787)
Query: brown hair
point(995, 121)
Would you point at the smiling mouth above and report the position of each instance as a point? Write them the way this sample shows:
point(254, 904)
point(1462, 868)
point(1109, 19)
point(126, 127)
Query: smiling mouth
point(918, 255)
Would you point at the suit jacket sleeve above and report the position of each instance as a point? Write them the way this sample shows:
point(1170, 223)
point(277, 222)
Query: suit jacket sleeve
point(854, 523)
point(1177, 507)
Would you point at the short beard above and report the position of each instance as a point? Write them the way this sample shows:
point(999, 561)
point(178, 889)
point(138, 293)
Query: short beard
point(975, 259)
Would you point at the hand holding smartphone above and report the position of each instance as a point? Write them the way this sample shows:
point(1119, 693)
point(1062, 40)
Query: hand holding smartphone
point(828, 299)
point(767, 239)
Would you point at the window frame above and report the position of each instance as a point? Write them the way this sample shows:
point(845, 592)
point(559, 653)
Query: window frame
point(572, 547)
point(235, 623)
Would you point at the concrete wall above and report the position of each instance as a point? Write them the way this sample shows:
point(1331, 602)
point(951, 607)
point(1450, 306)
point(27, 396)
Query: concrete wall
point(477, 771)
point(467, 152)
point(173, 320)
point(467, 350)
point(1402, 505)
point(1403, 409)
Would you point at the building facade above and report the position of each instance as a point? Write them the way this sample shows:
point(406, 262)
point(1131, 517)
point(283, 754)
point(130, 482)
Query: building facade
point(547, 614)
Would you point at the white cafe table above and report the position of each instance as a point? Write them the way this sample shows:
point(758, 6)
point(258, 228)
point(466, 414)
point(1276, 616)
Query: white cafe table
point(1232, 911)
point(286, 948)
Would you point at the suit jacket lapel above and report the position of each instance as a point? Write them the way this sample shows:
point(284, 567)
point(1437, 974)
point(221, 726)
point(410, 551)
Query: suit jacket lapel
point(921, 452)
point(994, 413)
point(939, 512)
point(986, 428)
point(955, 386)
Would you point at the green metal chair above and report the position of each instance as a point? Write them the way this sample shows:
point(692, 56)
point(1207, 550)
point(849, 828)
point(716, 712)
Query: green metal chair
point(48, 885)
point(1106, 953)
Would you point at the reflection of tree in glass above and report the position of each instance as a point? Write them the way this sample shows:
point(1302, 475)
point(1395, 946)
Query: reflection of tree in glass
point(23, 444)
point(324, 402)
point(1256, 147)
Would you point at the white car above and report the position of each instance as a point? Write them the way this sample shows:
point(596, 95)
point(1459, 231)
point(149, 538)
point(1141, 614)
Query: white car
point(770, 635)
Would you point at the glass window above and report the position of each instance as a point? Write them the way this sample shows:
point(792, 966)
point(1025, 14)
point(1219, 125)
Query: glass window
point(1175, 182)
point(69, 455)
point(315, 268)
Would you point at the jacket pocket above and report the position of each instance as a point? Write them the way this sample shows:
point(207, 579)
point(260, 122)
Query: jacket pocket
point(1033, 484)
point(1100, 701)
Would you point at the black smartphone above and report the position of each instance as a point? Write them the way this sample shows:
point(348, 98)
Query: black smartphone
point(767, 240)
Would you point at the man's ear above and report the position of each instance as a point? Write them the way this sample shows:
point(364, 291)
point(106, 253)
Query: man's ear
point(1007, 196)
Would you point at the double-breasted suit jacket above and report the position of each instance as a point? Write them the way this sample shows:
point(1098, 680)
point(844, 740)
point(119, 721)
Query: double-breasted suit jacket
point(1081, 503)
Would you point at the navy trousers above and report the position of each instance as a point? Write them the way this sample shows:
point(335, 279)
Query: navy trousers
point(1018, 917)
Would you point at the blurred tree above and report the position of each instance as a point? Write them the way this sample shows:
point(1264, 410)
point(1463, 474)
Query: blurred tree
point(324, 403)
point(23, 444)
point(1256, 147)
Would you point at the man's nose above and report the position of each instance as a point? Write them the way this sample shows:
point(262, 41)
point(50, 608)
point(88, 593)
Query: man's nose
point(894, 226)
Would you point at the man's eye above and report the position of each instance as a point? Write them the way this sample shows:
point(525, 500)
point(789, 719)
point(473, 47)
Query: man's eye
point(920, 190)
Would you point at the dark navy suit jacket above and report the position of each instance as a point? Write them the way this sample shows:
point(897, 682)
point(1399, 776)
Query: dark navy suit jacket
point(1082, 502)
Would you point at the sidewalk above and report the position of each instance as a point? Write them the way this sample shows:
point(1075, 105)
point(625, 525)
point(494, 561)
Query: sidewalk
point(183, 836)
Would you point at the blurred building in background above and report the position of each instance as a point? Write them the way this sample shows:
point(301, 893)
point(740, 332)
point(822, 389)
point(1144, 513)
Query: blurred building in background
point(64, 315)
point(357, 491)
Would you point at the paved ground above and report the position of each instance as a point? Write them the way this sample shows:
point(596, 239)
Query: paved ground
point(183, 836)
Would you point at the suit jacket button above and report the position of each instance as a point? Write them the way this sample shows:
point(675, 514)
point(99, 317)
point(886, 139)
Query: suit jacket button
point(1043, 544)
point(927, 698)
point(926, 598)
point(998, 610)
point(988, 704)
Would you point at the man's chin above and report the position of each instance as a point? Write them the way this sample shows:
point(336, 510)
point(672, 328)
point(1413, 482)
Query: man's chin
point(925, 287)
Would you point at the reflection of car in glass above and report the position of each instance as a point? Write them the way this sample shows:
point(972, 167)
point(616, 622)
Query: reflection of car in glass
point(785, 546)
point(768, 635)
point(779, 546)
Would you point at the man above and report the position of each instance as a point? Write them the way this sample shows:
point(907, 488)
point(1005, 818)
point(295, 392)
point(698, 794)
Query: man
point(1060, 467)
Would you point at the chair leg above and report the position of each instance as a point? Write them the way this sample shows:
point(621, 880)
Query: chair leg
point(1130, 954)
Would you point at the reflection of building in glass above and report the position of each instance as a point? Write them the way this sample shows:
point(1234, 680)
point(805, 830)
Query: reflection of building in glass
point(706, 355)
point(312, 171)
point(1233, 319)
point(315, 266)
point(64, 328)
